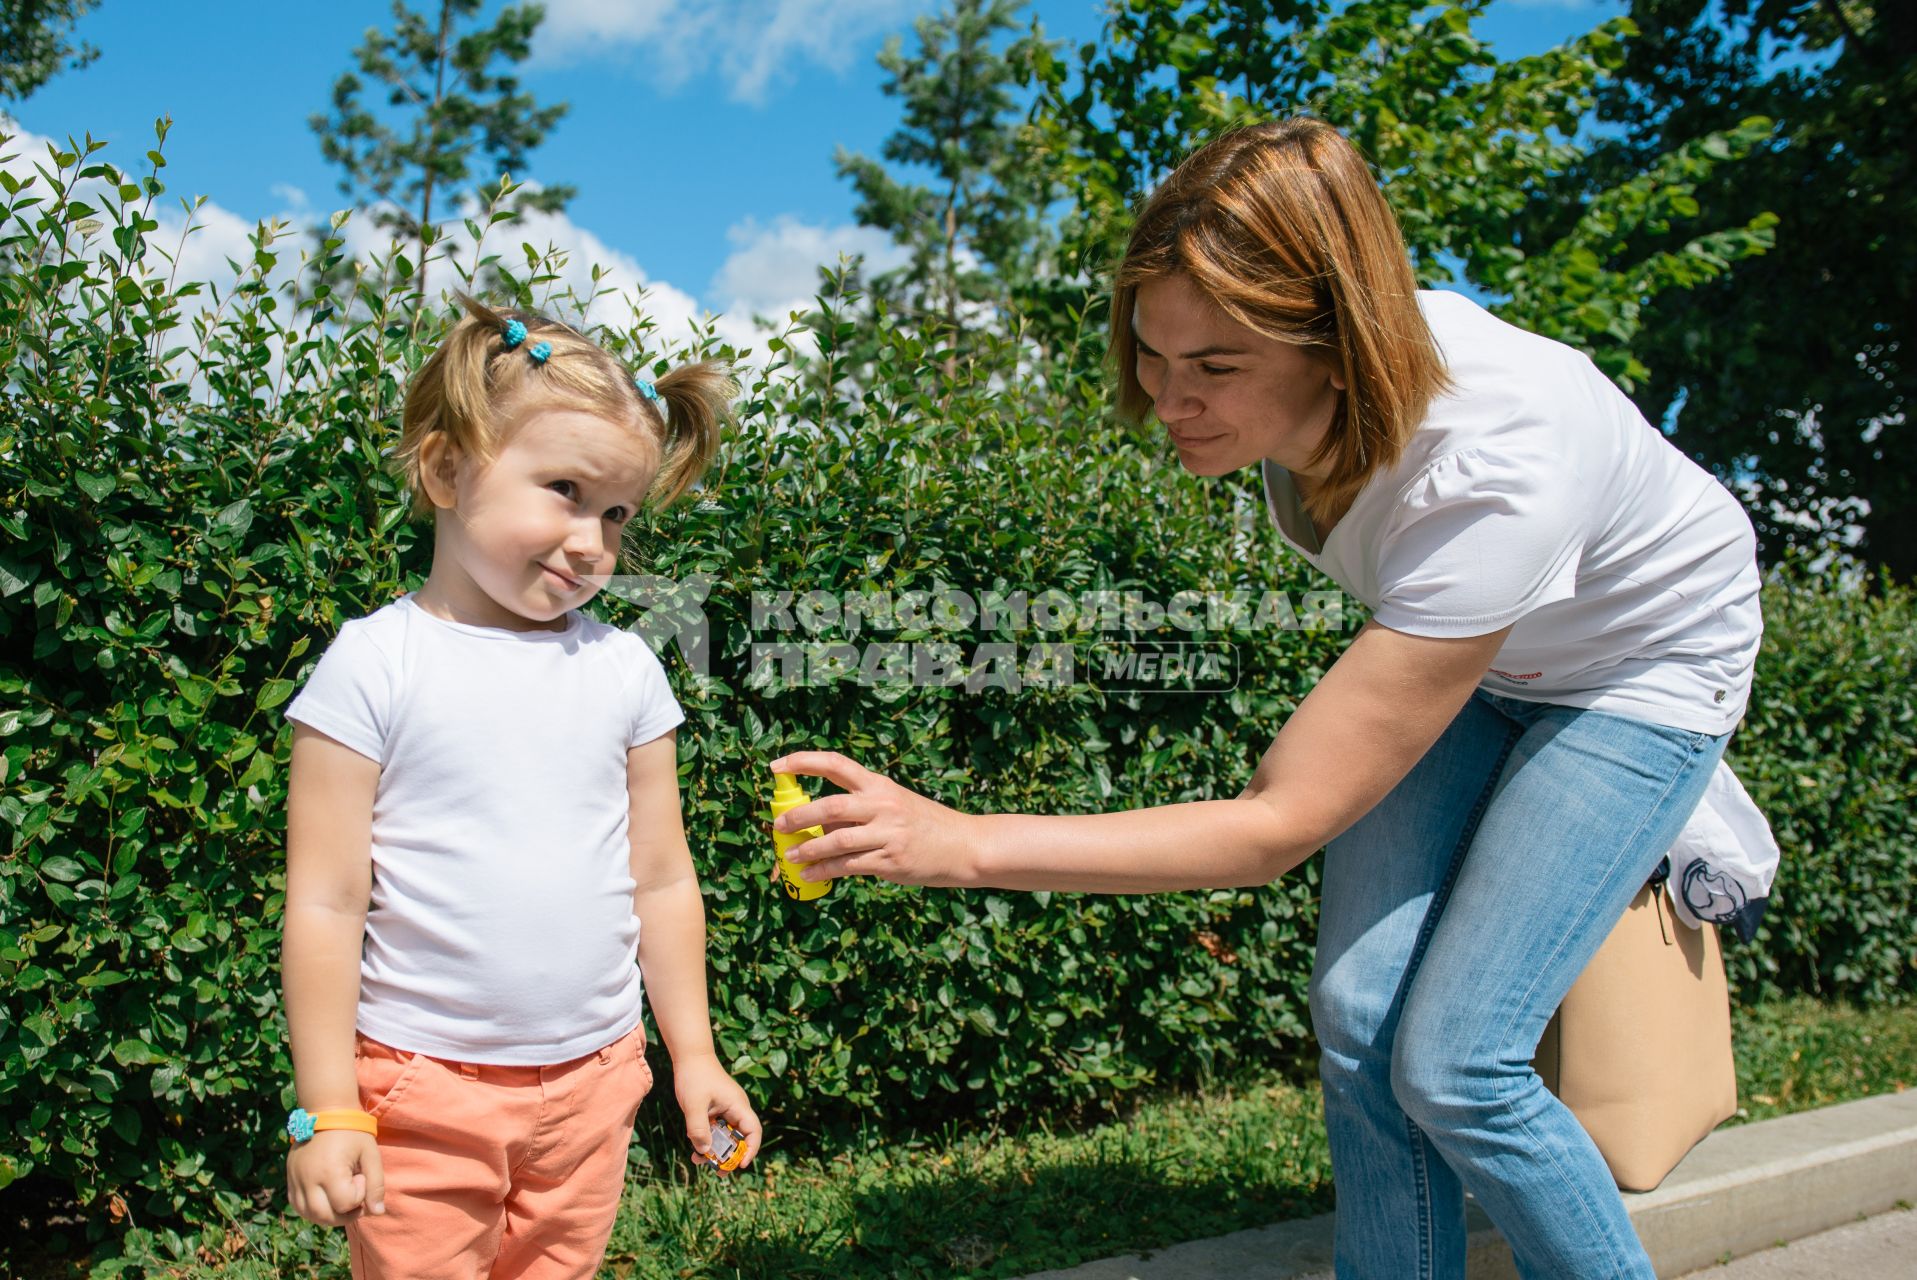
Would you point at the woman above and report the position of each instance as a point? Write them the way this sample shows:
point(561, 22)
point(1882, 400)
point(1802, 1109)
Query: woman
point(1564, 622)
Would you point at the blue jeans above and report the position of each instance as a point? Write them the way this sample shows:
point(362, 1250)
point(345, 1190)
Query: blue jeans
point(1455, 916)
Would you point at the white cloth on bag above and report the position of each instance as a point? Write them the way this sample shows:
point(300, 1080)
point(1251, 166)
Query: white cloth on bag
point(1725, 859)
point(501, 927)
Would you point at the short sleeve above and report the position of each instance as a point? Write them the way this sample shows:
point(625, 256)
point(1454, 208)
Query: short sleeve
point(1481, 538)
point(652, 708)
point(349, 696)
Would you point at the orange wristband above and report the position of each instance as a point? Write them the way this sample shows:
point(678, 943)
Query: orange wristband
point(303, 1124)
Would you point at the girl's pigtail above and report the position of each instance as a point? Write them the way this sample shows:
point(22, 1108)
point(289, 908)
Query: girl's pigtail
point(697, 398)
point(469, 349)
point(452, 394)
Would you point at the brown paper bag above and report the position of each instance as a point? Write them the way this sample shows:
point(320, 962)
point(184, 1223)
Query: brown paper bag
point(1640, 1050)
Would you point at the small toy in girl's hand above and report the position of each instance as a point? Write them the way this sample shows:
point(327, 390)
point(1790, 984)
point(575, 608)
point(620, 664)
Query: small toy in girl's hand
point(728, 1149)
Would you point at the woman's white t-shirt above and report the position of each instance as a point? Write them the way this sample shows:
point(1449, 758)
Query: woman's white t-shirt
point(501, 925)
point(1534, 495)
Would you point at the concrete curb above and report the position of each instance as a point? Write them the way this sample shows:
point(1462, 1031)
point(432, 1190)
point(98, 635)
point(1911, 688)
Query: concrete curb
point(1742, 1190)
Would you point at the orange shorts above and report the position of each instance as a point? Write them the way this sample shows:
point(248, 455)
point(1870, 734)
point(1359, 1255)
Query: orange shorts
point(496, 1173)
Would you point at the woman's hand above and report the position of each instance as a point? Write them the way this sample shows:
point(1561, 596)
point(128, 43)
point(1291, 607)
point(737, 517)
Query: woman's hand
point(707, 1093)
point(334, 1176)
point(877, 828)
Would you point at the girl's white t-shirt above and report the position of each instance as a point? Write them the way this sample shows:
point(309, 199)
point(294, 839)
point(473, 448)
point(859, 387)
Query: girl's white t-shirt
point(1535, 495)
point(501, 926)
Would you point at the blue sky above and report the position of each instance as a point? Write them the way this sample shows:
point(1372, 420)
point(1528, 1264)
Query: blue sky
point(701, 134)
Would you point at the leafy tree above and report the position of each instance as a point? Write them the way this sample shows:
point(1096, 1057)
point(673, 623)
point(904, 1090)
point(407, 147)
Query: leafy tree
point(977, 230)
point(1794, 372)
point(448, 111)
point(36, 36)
point(1464, 143)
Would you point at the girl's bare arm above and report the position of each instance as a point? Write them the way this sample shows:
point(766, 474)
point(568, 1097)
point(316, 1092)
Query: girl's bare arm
point(672, 947)
point(329, 876)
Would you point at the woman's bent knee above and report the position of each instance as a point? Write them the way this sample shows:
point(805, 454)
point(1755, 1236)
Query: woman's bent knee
point(1442, 1091)
point(1348, 1015)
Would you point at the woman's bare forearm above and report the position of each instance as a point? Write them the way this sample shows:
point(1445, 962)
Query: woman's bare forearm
point(1206, 844)
point(1375, 713)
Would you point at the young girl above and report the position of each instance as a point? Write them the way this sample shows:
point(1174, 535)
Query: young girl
point(483, 830)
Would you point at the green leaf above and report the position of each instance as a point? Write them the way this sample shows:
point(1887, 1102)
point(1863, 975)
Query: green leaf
point(984, 1019)
point(135, 1053)
point(235, 517)
point(16, 577)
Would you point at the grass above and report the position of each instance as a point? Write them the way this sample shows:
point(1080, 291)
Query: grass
point(995, 1204)
point(977, 1204)
point(1797, 1055)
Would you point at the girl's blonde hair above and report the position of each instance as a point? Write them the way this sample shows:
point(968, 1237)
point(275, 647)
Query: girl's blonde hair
point(1284, 228)
point(474, 386)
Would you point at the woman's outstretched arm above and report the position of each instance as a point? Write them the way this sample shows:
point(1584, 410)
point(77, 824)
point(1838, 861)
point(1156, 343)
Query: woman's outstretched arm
point(1372, 716)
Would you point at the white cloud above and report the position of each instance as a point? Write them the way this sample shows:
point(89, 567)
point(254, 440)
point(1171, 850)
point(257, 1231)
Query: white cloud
point(776, 267)
point(217, 234)
point(752, 44)
point(219, 238)
point(293, 197)
point(772, 271)
point(27, 152)
point(634, 292)
point(570, 25)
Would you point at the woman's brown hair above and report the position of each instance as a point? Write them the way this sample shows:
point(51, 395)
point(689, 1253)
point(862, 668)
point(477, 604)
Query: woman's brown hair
point(474, 385)
point(1283, 227)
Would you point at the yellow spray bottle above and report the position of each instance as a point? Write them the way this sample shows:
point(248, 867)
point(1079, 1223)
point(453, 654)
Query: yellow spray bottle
point(788, 794)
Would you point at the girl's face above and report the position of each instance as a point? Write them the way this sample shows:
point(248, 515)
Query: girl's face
point(1227, 395)
point(537, 532)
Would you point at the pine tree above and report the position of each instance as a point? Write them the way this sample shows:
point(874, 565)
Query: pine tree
point(35, 39)
point(976, 230)
point(453, 124)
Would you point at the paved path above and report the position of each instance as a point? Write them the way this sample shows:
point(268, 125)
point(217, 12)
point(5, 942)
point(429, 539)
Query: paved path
point(1880, 1248)
point(1802, 1177)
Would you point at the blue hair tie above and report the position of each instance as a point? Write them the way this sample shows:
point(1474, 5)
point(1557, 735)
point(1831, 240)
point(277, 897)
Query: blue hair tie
point(646, 388)
point(515, 334)
point(539, 351)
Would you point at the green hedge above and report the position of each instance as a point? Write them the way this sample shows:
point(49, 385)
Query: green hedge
point(194, 500)
point(1828, 750)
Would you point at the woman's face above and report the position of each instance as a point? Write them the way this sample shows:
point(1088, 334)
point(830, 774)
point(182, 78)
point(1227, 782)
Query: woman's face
point(536, 532)
point(1229, 397)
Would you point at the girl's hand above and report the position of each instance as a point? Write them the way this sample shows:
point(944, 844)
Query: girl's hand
point(707, 1093)
point(335, 1176)
point(877, 828)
